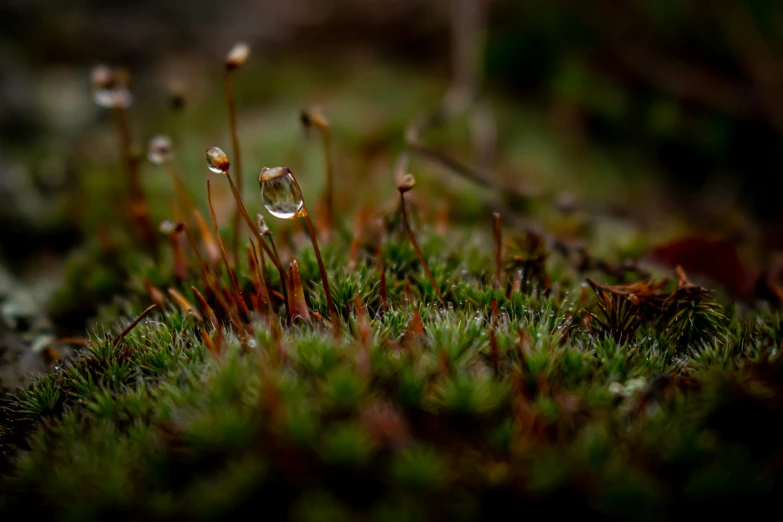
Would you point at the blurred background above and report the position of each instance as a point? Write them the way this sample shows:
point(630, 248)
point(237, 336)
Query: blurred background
point(659, 116)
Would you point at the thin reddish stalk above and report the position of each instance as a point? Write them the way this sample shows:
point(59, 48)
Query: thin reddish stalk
point(255, 272)
point(253, 228)
point(194, 247)
point(178, 255)
point(498, 233)
point(418, 250)
point(208, 341)
point(260, 262)
point(209, 242)
point(184, 197)
point(231, 275)
point(324, 278)
point(383, 289)
point(205, 274)
point(138, 204)
point(327, 141)
point(523, 346)
point(133, 324)
point(208, 311)
point(237, 158)
point(493, 340)
point(274, 249)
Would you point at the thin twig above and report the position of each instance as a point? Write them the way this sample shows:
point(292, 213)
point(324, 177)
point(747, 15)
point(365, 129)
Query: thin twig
point(237, 159)
point(315, 119)
point(260, 239)
point(418, 250)
point(131, 326)
point(70, 340)
point(327, 140)
point(324, 278)
point(384, 291)
point(139, 209)
point(194, 246)
point(231, 275)
point(185, 199)
point(213, 252)
point(493, 340)
point(275, 253)
point(258, 259)
point(208, 311)
point(498, 233)
point(205, 274)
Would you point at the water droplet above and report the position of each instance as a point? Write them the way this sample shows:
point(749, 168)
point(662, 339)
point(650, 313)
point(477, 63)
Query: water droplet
point(252, 343)
point(167, 227)
point(217, 160)
point(120, 98)
point(159, 150)
point(110, 88)
point(280, 193)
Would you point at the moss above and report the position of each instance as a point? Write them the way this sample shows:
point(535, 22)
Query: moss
point(470, 413)
point(157, 425)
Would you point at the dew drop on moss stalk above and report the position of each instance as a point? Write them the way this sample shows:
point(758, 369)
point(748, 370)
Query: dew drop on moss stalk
point(280, 193)
point(217, 160)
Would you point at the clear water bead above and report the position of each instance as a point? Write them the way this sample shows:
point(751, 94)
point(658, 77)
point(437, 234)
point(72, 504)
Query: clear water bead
point(159, 150)
point(117, 98)
point(217, 160)
point(280, 193)
point(167, 227)
point(110, 88)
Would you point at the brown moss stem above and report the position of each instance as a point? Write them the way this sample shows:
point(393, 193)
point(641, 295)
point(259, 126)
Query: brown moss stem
point(138, 207)
point(231, 275)
point(237, 159)
point(205, 274)
point(493, 340)
point(261, 271)
point(260, 239)
point(208, 311)
point(324, 278)
point(131, 326)
point(382, 274)
point(261, 262)
point(185, 200)
point(327, 143)
point(498, 235)
point(418, 250)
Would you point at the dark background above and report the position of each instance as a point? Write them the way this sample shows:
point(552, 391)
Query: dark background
point(694, 86)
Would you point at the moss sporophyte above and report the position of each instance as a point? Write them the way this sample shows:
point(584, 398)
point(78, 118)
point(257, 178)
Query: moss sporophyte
point(218, 162)
point(283, 198)
point(236, 57)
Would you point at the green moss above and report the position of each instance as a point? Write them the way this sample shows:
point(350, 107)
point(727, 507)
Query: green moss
point(570, 421)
